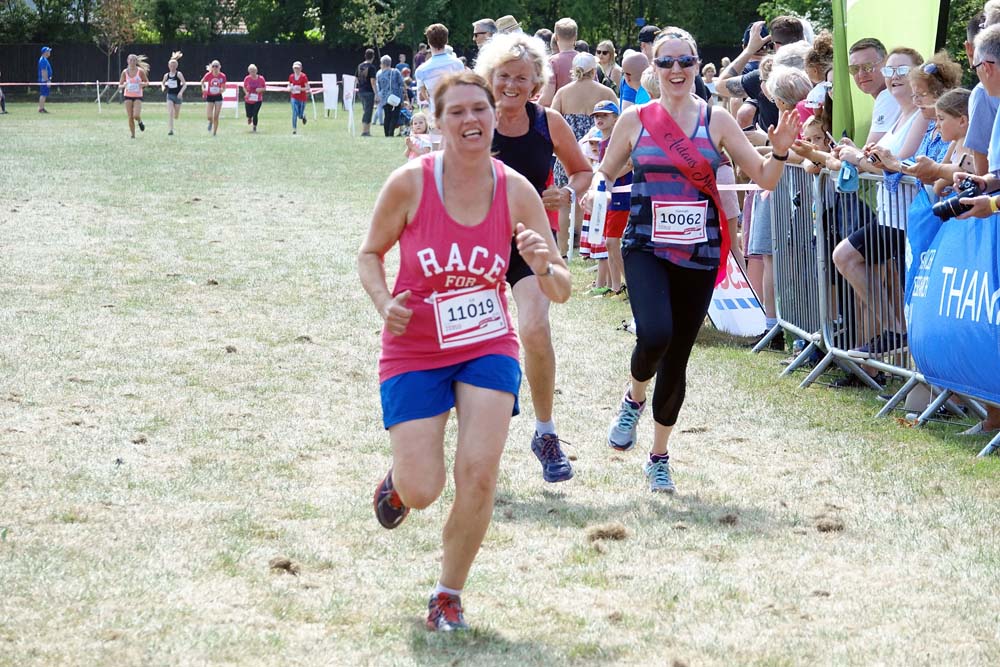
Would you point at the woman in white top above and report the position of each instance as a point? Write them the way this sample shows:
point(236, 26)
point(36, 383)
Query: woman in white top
point(883, 242)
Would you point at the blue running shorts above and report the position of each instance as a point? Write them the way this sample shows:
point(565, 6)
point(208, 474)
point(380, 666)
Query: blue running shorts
point(423, 394)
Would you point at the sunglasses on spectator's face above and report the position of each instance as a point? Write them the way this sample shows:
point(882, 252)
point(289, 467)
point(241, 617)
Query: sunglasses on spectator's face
point(666, 62)
point(976, 66)
point(603, 53)
point(889, 72)
point(477, 34)
point(867, 68)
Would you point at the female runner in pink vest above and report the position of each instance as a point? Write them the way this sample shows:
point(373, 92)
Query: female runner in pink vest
point(133, 82)
point(448, 339)
point(674, 245)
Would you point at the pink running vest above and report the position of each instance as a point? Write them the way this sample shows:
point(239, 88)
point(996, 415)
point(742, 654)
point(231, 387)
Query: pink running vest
point(457, 278)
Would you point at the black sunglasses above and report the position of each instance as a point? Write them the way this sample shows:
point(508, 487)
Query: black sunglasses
point(666, 62)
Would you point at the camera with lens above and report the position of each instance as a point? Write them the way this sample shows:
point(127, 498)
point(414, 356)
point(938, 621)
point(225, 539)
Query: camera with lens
point(946, 209)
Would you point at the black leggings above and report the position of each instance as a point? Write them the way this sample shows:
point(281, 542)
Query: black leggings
point(253, 108)
point(669, 304)
point(390, 116)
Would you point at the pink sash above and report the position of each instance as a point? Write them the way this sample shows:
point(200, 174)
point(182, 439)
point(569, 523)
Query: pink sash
point(680, 150)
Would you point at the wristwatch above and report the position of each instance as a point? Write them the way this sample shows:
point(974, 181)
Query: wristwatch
point(549, 271)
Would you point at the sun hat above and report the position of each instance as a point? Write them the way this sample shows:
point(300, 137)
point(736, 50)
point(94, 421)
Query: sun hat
point(508, 24)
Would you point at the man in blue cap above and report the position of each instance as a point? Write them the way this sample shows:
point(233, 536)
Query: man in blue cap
point(44, 78)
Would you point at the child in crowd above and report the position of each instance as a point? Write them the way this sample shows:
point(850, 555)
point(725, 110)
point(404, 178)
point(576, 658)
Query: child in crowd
point(605, 115)
point(419, 140)
point(952, 110)
point(590, 144)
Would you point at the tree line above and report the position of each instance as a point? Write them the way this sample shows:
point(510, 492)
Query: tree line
point(353, 23)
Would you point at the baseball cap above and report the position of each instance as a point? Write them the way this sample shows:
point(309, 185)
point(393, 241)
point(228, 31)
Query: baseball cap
point(648, 34)
point(746, 33)
point(606, 106)
point(46, 49)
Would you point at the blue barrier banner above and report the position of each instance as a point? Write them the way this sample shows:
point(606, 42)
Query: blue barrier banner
point(953, 301)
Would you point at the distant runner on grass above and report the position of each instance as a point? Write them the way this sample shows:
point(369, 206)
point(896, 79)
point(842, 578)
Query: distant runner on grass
point(448, 339)
point(132, 82)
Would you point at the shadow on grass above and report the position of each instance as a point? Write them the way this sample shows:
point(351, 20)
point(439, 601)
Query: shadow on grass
point(556, 510)
point(478, 646)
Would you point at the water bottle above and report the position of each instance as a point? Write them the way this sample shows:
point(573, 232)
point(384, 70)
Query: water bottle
point(598, 212)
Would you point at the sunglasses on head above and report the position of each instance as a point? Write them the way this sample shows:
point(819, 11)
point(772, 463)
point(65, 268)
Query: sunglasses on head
point(667, 62)
point(901, 70)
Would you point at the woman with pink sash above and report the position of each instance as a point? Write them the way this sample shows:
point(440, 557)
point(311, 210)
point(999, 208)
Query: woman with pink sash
point(674, 247)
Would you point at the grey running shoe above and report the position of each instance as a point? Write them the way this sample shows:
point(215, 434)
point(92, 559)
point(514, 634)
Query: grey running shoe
point(621, 435)
point(555, 464)
point(658, 474)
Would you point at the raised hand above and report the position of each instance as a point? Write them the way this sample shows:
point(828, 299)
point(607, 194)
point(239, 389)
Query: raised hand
point(783, 136)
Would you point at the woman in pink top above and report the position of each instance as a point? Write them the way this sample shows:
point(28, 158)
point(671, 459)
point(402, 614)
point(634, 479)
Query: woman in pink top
point(298, 88)
point(213, 85)
point(448, 339)
point(132, 82)
point(253, 95)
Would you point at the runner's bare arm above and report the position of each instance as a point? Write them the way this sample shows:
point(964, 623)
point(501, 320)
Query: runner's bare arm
point(534, 238)
point(568, 151)
point(395, 206)
point(619, 151)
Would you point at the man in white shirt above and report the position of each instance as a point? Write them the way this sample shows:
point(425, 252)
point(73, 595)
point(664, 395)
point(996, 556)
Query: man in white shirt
point(440, 64)
point(866, 57)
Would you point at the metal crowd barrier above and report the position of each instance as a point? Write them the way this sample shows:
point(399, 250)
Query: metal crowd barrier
point(848, 307)
point(796, 287)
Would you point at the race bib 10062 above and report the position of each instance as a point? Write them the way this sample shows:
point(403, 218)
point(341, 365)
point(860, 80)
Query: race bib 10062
point(682, 223)
point(470, 316)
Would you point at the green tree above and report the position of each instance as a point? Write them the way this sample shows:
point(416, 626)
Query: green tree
point(374, 20)
point(114, 27)
point(17, 22)
point(819, 12)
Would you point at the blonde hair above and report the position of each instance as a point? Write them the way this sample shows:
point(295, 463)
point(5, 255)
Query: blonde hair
point(610, 46)
point(506, 48)
point(421, 116)
point(566, 28)
point(584, 64)
point(670, 33)
point(709, 67)
point(214, 63)
point(140, 62)
point(788, 85)
point(175, 57)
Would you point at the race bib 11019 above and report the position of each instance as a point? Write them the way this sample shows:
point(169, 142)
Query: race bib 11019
point(470, 316)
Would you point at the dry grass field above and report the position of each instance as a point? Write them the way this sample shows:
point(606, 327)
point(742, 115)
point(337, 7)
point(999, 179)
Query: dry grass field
point(188, 391)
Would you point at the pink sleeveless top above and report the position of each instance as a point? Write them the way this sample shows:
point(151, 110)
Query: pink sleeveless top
point(133, 85)
point(457, 278)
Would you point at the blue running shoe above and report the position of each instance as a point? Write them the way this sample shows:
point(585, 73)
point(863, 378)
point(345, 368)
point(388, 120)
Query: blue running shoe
point(555, 465)
point(621, 435)
point(389, 509)
point(658, 474)
point(444, 613)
